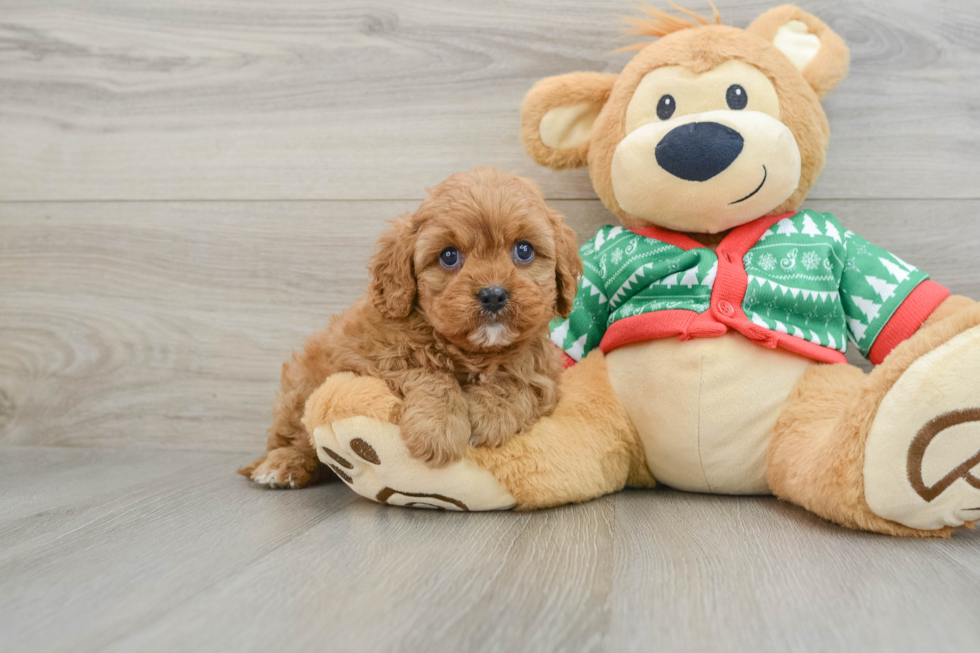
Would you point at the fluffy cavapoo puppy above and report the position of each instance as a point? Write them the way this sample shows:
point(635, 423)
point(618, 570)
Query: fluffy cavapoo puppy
point(455, 321)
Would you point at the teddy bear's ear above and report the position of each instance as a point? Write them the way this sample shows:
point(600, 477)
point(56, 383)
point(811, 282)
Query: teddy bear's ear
point(815, 50)
point(557, 116)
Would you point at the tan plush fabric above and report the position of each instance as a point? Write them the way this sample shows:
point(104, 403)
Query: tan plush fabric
point(817, 457)
point(830, 64)
point(573, 89)
point(351, 420)
point(940, 388)
point(588, 448)
point(700, 50)
point(645, 190)
point(950, 306)
point(565, 128)
point(795, 41)
point(704, 409)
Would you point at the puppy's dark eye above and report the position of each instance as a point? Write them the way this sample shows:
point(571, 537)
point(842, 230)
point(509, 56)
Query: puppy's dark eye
point(736, 97)
point(666, 107)
point(523, 252)
point(449, 258)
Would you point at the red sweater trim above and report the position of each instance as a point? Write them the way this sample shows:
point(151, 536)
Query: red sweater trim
point(918, 306)
point(686, 324)
point(743, 237)
point(669, 237)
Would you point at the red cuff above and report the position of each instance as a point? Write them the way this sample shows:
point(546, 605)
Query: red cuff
point(918, 306)
point(566, 360)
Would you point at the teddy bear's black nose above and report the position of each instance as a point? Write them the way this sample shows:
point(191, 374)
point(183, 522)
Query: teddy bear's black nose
point(698, 151)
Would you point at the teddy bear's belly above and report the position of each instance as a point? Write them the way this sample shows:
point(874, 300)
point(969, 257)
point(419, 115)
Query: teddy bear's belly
point(705, 408)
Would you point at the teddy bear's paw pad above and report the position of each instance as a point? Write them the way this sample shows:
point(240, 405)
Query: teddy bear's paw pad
point(922, 456)
point(369, 456)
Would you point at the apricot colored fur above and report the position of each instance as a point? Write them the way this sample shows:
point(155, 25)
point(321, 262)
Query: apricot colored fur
point(414, 329)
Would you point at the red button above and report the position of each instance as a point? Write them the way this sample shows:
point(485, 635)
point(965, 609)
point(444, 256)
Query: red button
point(726, 309)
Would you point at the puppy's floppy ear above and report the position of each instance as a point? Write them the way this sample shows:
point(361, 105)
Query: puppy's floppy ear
point(557, 116)
point(813, 48)
point(568, 264)
point(393, 285)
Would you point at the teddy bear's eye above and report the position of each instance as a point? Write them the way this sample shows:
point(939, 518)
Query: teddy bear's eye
point(666, 106)
point(736, 97)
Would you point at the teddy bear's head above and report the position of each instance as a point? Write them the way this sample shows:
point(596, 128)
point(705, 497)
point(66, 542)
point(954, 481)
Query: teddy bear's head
point(705, 129)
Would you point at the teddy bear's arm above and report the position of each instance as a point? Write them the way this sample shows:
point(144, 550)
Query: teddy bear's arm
point(885, 299)
point(582, 330)
point(950, 306)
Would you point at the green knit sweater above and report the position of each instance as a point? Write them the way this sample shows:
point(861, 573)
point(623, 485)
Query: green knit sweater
point(800, 282)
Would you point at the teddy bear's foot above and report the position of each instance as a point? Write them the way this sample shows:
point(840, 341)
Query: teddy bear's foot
point(922, 455)
point(371, 458)
point(368, 454)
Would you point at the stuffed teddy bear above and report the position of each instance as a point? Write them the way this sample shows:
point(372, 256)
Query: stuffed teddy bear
point(705, 348)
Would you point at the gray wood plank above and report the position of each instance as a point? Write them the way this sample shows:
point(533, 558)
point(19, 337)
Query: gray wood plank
point(383, 580)
point(703, 573)
point(302, 99)
point(99, 562)
point(199, 560)
point(165, 324)
point(83, 475)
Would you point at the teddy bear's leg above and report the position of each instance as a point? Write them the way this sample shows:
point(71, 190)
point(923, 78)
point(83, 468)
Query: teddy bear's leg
point(587, 448)
point(896, 451)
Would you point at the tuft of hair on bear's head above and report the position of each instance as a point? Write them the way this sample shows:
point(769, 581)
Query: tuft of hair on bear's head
point(660, 23)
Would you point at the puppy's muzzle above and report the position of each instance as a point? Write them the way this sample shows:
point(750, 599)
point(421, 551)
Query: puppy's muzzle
point(493, 298)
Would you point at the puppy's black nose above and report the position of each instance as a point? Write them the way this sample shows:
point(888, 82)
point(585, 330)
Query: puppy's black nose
point(698, 151)
point(493, 298)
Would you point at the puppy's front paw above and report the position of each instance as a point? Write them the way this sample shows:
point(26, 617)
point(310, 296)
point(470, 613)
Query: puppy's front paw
point(282, 468)
point(436, 443)
point(490, 428)
point(492, 434)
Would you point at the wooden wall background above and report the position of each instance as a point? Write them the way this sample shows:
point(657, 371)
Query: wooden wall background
point(189, 187)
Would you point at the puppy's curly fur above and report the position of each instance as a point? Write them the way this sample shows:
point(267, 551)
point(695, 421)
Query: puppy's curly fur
point(466, 374)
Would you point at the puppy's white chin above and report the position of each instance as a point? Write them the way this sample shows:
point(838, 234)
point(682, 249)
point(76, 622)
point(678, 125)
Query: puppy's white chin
point(492, 335)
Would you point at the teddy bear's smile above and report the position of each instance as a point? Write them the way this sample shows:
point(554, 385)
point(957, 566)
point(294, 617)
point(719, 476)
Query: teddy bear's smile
point(765, 174)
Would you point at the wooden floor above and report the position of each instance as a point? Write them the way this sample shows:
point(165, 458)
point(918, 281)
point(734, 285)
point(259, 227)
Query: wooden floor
point(187, 188)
